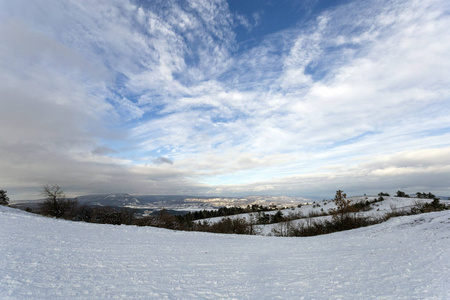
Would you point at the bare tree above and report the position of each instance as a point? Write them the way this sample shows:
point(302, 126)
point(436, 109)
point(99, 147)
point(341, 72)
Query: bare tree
point(55, 203)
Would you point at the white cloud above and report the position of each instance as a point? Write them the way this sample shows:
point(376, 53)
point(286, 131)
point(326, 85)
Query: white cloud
point(308, 108)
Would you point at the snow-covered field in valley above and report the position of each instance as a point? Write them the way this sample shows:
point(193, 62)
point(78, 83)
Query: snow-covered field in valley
point(42, 258)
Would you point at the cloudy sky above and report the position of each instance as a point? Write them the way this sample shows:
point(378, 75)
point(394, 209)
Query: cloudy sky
point(227, 98)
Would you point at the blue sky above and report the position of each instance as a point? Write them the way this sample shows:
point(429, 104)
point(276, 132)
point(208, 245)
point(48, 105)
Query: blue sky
point(224, 98)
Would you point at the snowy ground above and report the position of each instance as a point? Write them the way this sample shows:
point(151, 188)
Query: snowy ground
point(41, 258)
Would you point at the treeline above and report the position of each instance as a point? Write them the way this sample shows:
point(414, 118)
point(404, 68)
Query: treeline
point(57, 205)
point(418, 195)
point(425, 195)
point(224, 212)
point(71, 210)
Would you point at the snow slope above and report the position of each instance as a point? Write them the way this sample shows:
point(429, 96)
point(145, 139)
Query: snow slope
point(42, 258)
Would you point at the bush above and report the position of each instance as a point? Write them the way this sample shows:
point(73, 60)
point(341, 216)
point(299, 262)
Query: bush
point(110, 215)
point(435, 205)
point(425, 195)
point(226, 225)
point(277, 217)
point(4, 199)
point(326, 226)
point(401, 194)
point(383, 194)
point(362, 205)
point(147, 221)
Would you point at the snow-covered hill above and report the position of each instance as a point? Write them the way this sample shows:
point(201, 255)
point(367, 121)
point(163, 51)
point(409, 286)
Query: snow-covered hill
point(376, 209)
point(42, 258)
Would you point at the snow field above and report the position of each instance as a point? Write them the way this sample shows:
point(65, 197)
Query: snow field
point(44, 258)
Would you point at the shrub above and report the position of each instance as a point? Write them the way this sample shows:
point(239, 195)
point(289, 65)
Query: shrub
point(4, 199)
point(110, 215)
point(228, 225)
point(277, 217)
point(401, 194)
point(425, 195)
point(362, 205)
point(435, 205)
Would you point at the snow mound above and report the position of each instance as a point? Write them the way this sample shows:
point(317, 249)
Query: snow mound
point(43, 258)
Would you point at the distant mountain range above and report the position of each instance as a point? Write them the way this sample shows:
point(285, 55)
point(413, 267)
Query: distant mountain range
point(186, 202)
point(177, 202)
point(135, 201)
